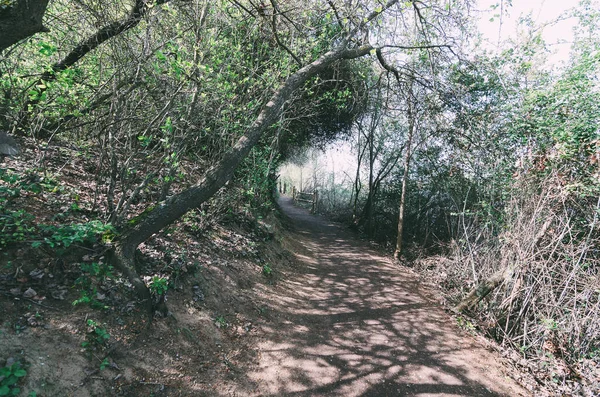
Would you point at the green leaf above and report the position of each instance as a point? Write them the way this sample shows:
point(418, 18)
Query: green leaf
point(47, 49)
point(20, 373)
point(11, 380)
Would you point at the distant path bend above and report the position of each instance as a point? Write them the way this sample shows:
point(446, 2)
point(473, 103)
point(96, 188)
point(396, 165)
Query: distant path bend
point(351, 323)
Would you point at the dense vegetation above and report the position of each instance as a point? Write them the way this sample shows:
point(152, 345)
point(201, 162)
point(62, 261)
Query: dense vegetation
point(180, 113)
point(492, 163)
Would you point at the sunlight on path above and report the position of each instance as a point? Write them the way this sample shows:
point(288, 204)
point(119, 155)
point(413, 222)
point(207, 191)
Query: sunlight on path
point(354, 324)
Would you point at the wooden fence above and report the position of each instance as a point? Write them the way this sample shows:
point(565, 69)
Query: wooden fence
point(306, 198)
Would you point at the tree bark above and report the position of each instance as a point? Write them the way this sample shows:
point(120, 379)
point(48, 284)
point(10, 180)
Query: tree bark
point(483, 289)
point(21, 20)
point(366, 216)
point(357, 187)
point(105, 33)
point(411, 130)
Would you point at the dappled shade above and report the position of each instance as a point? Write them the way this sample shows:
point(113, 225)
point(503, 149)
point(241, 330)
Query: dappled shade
point(356, 324)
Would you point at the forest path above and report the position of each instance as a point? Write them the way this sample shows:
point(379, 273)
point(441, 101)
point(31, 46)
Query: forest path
point(349, 322)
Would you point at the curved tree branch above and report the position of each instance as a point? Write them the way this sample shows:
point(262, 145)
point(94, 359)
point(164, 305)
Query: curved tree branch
point(277, 11)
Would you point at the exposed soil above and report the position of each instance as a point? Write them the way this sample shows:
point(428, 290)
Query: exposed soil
point(335, 318)
point(352, 323)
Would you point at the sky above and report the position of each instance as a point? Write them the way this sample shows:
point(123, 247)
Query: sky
point(558, 35)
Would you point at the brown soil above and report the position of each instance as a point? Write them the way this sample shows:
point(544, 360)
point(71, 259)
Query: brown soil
point(336, 318)
point(350, 322)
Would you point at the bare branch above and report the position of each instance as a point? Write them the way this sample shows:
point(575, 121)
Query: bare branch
point(277, 39)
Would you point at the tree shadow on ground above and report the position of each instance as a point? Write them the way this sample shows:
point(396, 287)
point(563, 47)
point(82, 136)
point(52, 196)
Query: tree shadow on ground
point(353, 323)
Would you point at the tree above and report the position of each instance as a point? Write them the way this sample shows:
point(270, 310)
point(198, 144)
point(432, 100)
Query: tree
point(85, 46)
point(155, 84)
point(177, 205)
point(382, 148)
point(20, 19)
point(411, 115)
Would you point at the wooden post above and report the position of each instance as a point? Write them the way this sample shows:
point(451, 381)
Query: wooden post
point(314, 203)
point(294, 193)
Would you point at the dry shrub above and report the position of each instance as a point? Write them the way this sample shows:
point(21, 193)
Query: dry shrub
point(547, 305)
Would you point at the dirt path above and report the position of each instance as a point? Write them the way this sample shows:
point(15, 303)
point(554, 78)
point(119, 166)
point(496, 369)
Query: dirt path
point(350, 323)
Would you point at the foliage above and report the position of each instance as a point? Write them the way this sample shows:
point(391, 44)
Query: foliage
point(66, 235)
point(9, 376)
point(562, 124)
point(19, 226)
point(267, 271)
point(88, 297)
point(15, 226)
point(551, 290)
point(96, 337)
point(105, 363)
point(100, 271)
point(221, 322)
point(159, 285)
point(326, 107)
point(92, 275)
point(505, 177)
point(155, 107)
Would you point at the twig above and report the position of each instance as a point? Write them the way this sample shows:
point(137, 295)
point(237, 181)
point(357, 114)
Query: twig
point(30, 300)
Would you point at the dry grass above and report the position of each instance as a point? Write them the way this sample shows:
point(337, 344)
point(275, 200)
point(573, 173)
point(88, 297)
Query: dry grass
point(548, 306)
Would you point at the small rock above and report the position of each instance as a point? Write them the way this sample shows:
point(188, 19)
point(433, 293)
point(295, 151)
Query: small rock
point(33, 321)
point(59, 294)
point(30, 293)
point(37, 274)
point(198, 294)
point(15, 291)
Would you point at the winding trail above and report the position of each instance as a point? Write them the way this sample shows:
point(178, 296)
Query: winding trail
point(349, 322)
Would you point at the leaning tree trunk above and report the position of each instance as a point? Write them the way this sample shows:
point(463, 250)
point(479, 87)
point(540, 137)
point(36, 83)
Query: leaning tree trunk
point(21, 20)
point(176, 206)
point(484, 288)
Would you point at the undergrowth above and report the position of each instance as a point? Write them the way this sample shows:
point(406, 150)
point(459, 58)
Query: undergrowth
point(547, 306)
